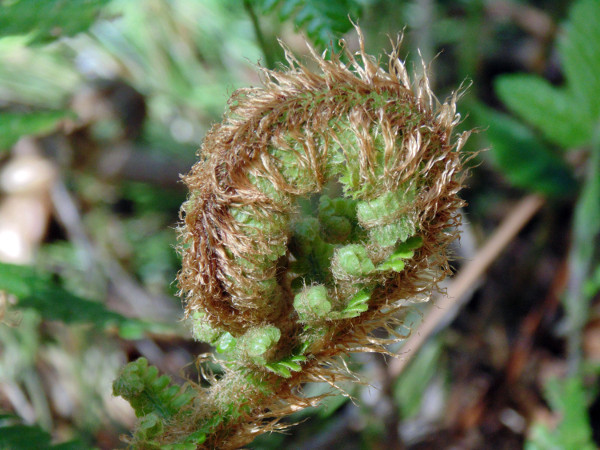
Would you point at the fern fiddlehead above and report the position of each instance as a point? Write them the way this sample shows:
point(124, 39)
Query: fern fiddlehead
point(320, 204)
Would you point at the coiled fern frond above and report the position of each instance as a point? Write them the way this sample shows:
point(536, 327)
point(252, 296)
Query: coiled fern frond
point(321, 205)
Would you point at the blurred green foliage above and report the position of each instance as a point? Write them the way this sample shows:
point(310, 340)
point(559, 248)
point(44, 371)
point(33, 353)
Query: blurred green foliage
point(568, 117)
point(323, 22)
point(410, 386)
point(27, 437)
point(568, 398)
point(46, 20)
point(39, 292)
point(525, 160)
point(15, 125)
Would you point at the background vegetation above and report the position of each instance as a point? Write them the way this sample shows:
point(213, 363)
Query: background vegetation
point(104, 103)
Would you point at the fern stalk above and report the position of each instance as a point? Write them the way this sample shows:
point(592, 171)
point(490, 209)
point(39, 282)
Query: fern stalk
point(321, 205)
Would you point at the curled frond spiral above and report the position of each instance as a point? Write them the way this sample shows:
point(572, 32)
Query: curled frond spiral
point(321, 205)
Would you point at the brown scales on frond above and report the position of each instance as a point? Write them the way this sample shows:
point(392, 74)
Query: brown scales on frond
point(294, 137)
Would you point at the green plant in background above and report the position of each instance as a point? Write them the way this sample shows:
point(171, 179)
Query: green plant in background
point(37, 291)
point(15, 435)
point(568, 398)
point(34, 25)
point(50, 20)
point(323, 22)
point(48, 322)
point(281, 280)
point(568, 119)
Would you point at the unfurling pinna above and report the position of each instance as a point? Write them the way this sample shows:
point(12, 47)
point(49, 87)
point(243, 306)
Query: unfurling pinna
point(321, 206)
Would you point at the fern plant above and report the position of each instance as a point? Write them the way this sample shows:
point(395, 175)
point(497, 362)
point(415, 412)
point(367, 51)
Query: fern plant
point(321, 205)
point(322, 21)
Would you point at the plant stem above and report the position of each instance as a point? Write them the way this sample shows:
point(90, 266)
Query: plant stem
point(259, 34)
point(583, 255)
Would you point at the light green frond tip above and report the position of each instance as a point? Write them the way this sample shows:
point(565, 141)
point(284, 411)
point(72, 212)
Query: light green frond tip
point(149, 427)
point(286, 366)
point(148, 393)
point(259, 340)
point(386, 219)
point(404, 251)
point(202, 330)
point(312, 302)
point(380, 208)
point(351, 260)
point(388, 235)
point(226, 343)
point(359, 303)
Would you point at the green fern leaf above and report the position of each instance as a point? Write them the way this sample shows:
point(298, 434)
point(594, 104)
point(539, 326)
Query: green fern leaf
point(45, 21)
point(567, 116)
point(580, 55)
point(555, 112)
point(15, 125)
point(38, 291)
point(523, 158)
point(16, 436)
point(323, 21)
point(150, 394)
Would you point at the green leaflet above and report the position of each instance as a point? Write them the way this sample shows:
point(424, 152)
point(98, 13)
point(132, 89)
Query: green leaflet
point(202, 330)
point(148, 393)
point(45, 21)
point(351, 260)
point(258, 341)
point(15, 125)
point(389, 234)
point(554, 111)
point(404, 251)
point(37, 291)
point(579, 51)
point(226, 343)
point(356, 305)
point(384, 218)
point(567, 116)
point(523, 158)
point(312, 302)
point(323, 21)
point(383, 207)
point(286, 366)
